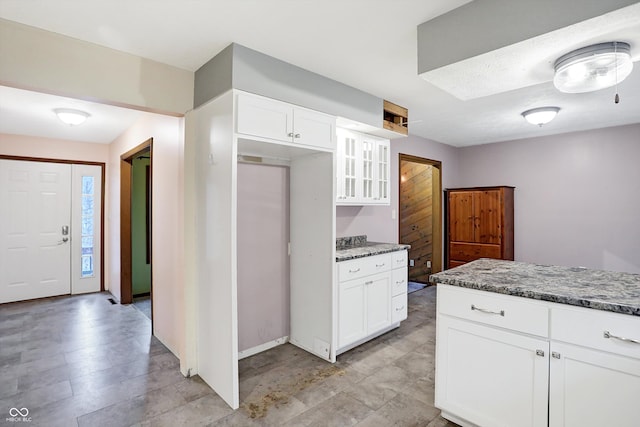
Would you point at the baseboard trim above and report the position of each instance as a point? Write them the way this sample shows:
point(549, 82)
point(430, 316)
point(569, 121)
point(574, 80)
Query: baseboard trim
point(262, 347)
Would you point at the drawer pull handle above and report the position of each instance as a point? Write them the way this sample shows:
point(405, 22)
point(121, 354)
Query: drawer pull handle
point(540, 353)
point(608, 335)
point(484, 310)
point(555, 355)
point(369, 282)
point(400, 308)
point(380, 265)
point(399, 282)
point(354, 271)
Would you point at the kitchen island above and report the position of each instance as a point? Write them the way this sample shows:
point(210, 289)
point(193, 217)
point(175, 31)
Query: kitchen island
point(521, 344)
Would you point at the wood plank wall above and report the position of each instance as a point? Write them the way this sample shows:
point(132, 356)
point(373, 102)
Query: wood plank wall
point(416, 205)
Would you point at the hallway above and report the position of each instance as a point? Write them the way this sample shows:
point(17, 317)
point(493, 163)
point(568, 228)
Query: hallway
point(82, 361)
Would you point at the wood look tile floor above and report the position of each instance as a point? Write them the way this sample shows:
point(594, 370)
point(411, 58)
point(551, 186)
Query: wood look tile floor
point(81, 361)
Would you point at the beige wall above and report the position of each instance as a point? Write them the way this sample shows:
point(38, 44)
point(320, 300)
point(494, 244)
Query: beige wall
point(167, 221)
point(52, 63)
point(31, 146)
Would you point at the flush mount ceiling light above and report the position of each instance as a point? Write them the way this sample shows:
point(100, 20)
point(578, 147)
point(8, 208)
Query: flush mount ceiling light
point(540, 116)
point(71, 117)
point(593, 67)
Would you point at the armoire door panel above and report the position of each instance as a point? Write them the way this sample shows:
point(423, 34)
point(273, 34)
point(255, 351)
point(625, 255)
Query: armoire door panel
point(461, 217)
point(488, 220)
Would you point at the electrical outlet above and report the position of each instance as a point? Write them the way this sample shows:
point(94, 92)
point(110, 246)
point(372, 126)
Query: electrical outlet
point(412, 262)
point(428, 264)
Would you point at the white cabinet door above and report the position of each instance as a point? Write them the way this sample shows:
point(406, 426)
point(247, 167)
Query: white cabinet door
point(591, 388)
point(313, 128)
point(378, 307)
point(264, 117)
point(367, 187)
point(382, 171)
point(351, 312)
point(267, 118)
point(347, 173)
point(363, 169)
point(491, 377)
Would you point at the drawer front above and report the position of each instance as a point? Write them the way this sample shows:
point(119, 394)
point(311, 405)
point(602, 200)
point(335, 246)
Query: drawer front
point(587, 327)
point(399, 281)
point(399, 259)
point(361, 267)
point(472, 251)
point(399, 308)
point(505, 311)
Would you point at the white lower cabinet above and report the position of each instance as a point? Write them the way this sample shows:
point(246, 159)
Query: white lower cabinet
point(509, 361)
point(372, 297)
point(591, 388)
point(364, 307)
point(490, 377)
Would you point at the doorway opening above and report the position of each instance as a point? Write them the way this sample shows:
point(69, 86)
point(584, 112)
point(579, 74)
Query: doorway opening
point(135, 227)
point(420, 215)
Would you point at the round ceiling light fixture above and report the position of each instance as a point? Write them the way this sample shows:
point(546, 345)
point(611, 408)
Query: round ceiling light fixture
point(540, 116)
point(70, 116)
point(592, 68)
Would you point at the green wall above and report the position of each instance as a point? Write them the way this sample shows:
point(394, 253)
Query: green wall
point(141, 271)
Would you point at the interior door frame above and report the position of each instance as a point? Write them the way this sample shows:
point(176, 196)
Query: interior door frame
point(102, 196)
point(126, 181)
point(436, 209)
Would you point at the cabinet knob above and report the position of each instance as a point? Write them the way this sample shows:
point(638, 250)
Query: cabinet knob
point(290, 134)
point(540, 353)
point(297, 135)
point(555, 355)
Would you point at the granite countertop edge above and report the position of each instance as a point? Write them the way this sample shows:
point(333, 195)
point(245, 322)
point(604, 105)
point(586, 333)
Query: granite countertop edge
point(368, 249)
point(568, 294)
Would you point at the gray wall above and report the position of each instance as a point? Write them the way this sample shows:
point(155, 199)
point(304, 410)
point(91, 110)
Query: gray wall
point(263, 263)
point(577, 197)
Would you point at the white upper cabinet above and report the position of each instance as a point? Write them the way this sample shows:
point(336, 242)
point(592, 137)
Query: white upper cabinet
point(267, 118)
point(362, 169)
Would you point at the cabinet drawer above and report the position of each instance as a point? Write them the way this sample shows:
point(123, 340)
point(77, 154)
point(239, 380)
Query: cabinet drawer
point(505, 311)
point(399, 281)
point(587, 327)
point(472, 251)
point(361, 267)
point(399, 308)
point(399, 259)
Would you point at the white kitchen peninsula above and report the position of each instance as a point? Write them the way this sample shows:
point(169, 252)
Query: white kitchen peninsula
point(520, 344)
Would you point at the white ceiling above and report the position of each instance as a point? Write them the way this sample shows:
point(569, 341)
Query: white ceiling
point(367, 44)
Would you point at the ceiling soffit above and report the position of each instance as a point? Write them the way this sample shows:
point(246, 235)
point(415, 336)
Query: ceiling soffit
point(514, 43)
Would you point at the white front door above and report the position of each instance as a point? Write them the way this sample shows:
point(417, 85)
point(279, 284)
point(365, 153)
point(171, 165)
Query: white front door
point(38, 236)
point(35, 206)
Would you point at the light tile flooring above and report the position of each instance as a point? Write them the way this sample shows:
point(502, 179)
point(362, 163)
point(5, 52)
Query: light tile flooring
point(81, 361)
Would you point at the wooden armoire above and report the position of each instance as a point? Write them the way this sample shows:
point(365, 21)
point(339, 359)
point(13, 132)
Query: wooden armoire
point(479, 224)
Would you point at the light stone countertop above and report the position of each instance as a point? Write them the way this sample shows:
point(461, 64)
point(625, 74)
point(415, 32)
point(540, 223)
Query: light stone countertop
point(597, 289)
point(353, 247)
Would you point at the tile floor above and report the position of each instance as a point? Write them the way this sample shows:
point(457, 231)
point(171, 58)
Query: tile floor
point(81, 361)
